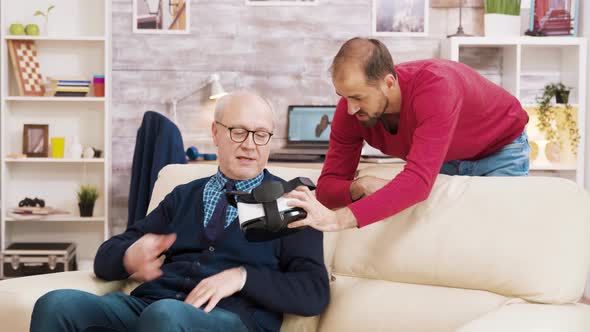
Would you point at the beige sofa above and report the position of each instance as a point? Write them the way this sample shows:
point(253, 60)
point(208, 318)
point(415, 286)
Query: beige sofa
point(480, 255)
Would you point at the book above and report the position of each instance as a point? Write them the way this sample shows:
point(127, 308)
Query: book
point(69, 94)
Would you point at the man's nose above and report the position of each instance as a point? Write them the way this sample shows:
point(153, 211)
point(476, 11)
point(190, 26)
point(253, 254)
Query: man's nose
point(353, 108)
point(249, 142)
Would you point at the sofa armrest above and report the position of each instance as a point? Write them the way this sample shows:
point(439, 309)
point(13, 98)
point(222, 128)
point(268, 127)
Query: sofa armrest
point(18, 296)
point(530, 317)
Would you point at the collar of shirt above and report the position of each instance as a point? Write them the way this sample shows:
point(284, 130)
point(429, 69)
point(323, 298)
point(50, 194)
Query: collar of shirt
point(218, 182)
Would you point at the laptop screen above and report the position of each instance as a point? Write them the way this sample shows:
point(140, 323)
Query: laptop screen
point(310, 124)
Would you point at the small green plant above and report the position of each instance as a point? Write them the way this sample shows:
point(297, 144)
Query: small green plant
point(87, 195)
point(552, 121)
point(44, 13)
point(506, 7)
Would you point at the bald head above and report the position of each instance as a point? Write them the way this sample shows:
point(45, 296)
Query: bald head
point(370, 55)
point(244, 100)
point(244, 124)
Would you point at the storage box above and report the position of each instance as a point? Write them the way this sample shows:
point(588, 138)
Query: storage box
point(26, 259)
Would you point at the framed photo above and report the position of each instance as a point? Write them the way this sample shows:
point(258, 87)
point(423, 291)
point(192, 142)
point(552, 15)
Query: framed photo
point(554, 18)
point(281, 2)
point(400, 17)
point(35, 140)
point(161, 16)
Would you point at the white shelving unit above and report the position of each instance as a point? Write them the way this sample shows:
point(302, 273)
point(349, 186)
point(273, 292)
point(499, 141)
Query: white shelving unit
point(523, 66)
point(76, 43)
point(53, 99)
point(55, 160)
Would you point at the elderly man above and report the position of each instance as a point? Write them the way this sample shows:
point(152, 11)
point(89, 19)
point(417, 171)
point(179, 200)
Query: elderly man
point(212, 279)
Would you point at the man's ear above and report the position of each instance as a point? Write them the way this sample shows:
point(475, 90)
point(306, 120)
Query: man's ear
point(214, 133)
point(390, 81)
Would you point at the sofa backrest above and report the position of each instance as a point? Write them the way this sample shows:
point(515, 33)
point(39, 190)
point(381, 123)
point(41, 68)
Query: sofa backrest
point(177, 174)
point(526, 237)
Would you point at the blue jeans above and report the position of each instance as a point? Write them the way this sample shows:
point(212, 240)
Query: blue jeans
point(74, 310)
point(510, 160)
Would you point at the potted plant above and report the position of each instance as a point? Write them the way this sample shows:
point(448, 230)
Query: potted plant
point(87, 196)
point(552, 121)
point(560, 91)
point(45, 14)
point(502, 18)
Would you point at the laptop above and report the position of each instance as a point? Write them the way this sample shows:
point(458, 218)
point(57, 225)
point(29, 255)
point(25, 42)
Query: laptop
point(308, 133)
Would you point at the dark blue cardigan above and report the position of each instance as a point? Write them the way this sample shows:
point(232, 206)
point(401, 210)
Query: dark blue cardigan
point(158, 144)
point(284, 276)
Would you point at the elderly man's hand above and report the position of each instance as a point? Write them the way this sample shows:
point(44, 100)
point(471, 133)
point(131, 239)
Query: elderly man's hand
point(141, 258)
point(319, 216)
point(219, 286)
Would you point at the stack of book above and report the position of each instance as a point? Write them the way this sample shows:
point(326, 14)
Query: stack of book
point(67, 87)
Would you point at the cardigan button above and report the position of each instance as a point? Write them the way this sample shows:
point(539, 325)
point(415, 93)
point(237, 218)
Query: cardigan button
point(211, 249)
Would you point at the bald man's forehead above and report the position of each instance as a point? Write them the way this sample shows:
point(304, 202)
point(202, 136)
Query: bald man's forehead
point(349, 70)
point(253, 114)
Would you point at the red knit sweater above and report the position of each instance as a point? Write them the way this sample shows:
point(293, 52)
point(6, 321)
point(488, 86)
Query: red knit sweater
point(449, 112)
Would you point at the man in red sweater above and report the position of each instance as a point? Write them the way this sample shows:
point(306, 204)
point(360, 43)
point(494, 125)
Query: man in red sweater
point(439, 116)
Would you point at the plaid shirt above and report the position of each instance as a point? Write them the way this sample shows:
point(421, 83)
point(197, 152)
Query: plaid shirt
point(215, 187)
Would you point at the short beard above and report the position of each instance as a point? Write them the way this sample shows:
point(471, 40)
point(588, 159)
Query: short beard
point(370, 123)
point(373, 120)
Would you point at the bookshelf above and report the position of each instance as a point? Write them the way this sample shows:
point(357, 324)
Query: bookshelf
point(76, 43)
point(523, 66)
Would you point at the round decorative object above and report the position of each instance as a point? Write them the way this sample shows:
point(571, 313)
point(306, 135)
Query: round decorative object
point(534, 150)
point(192, 153)
point(88, 153)
point(552, 151)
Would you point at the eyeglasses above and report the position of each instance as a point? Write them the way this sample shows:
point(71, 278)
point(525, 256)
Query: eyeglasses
point(239, 135)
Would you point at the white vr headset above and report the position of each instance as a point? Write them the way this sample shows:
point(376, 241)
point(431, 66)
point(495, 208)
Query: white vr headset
point(264, 213)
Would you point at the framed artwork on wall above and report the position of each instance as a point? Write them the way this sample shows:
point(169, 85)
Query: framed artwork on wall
point(281, 2)
point(35, 140)
point(400, 17)
point(554, 18)
point(161, 16)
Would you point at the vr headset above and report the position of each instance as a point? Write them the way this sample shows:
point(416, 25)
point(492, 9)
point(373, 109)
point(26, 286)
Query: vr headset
point(264, 213)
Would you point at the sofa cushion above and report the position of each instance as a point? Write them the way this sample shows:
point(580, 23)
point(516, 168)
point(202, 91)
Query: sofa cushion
point(533, 318)
point(357, 304)
point(525, 237)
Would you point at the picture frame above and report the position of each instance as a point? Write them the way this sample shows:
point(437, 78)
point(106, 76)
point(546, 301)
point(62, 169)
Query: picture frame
point(400, 18)
point(36, 140)
point(161, 16)
point(282, 2)
point(554, 18)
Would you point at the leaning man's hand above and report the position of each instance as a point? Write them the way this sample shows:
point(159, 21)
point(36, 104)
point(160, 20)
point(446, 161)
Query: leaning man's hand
point(319, 216)
point(211, 290)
